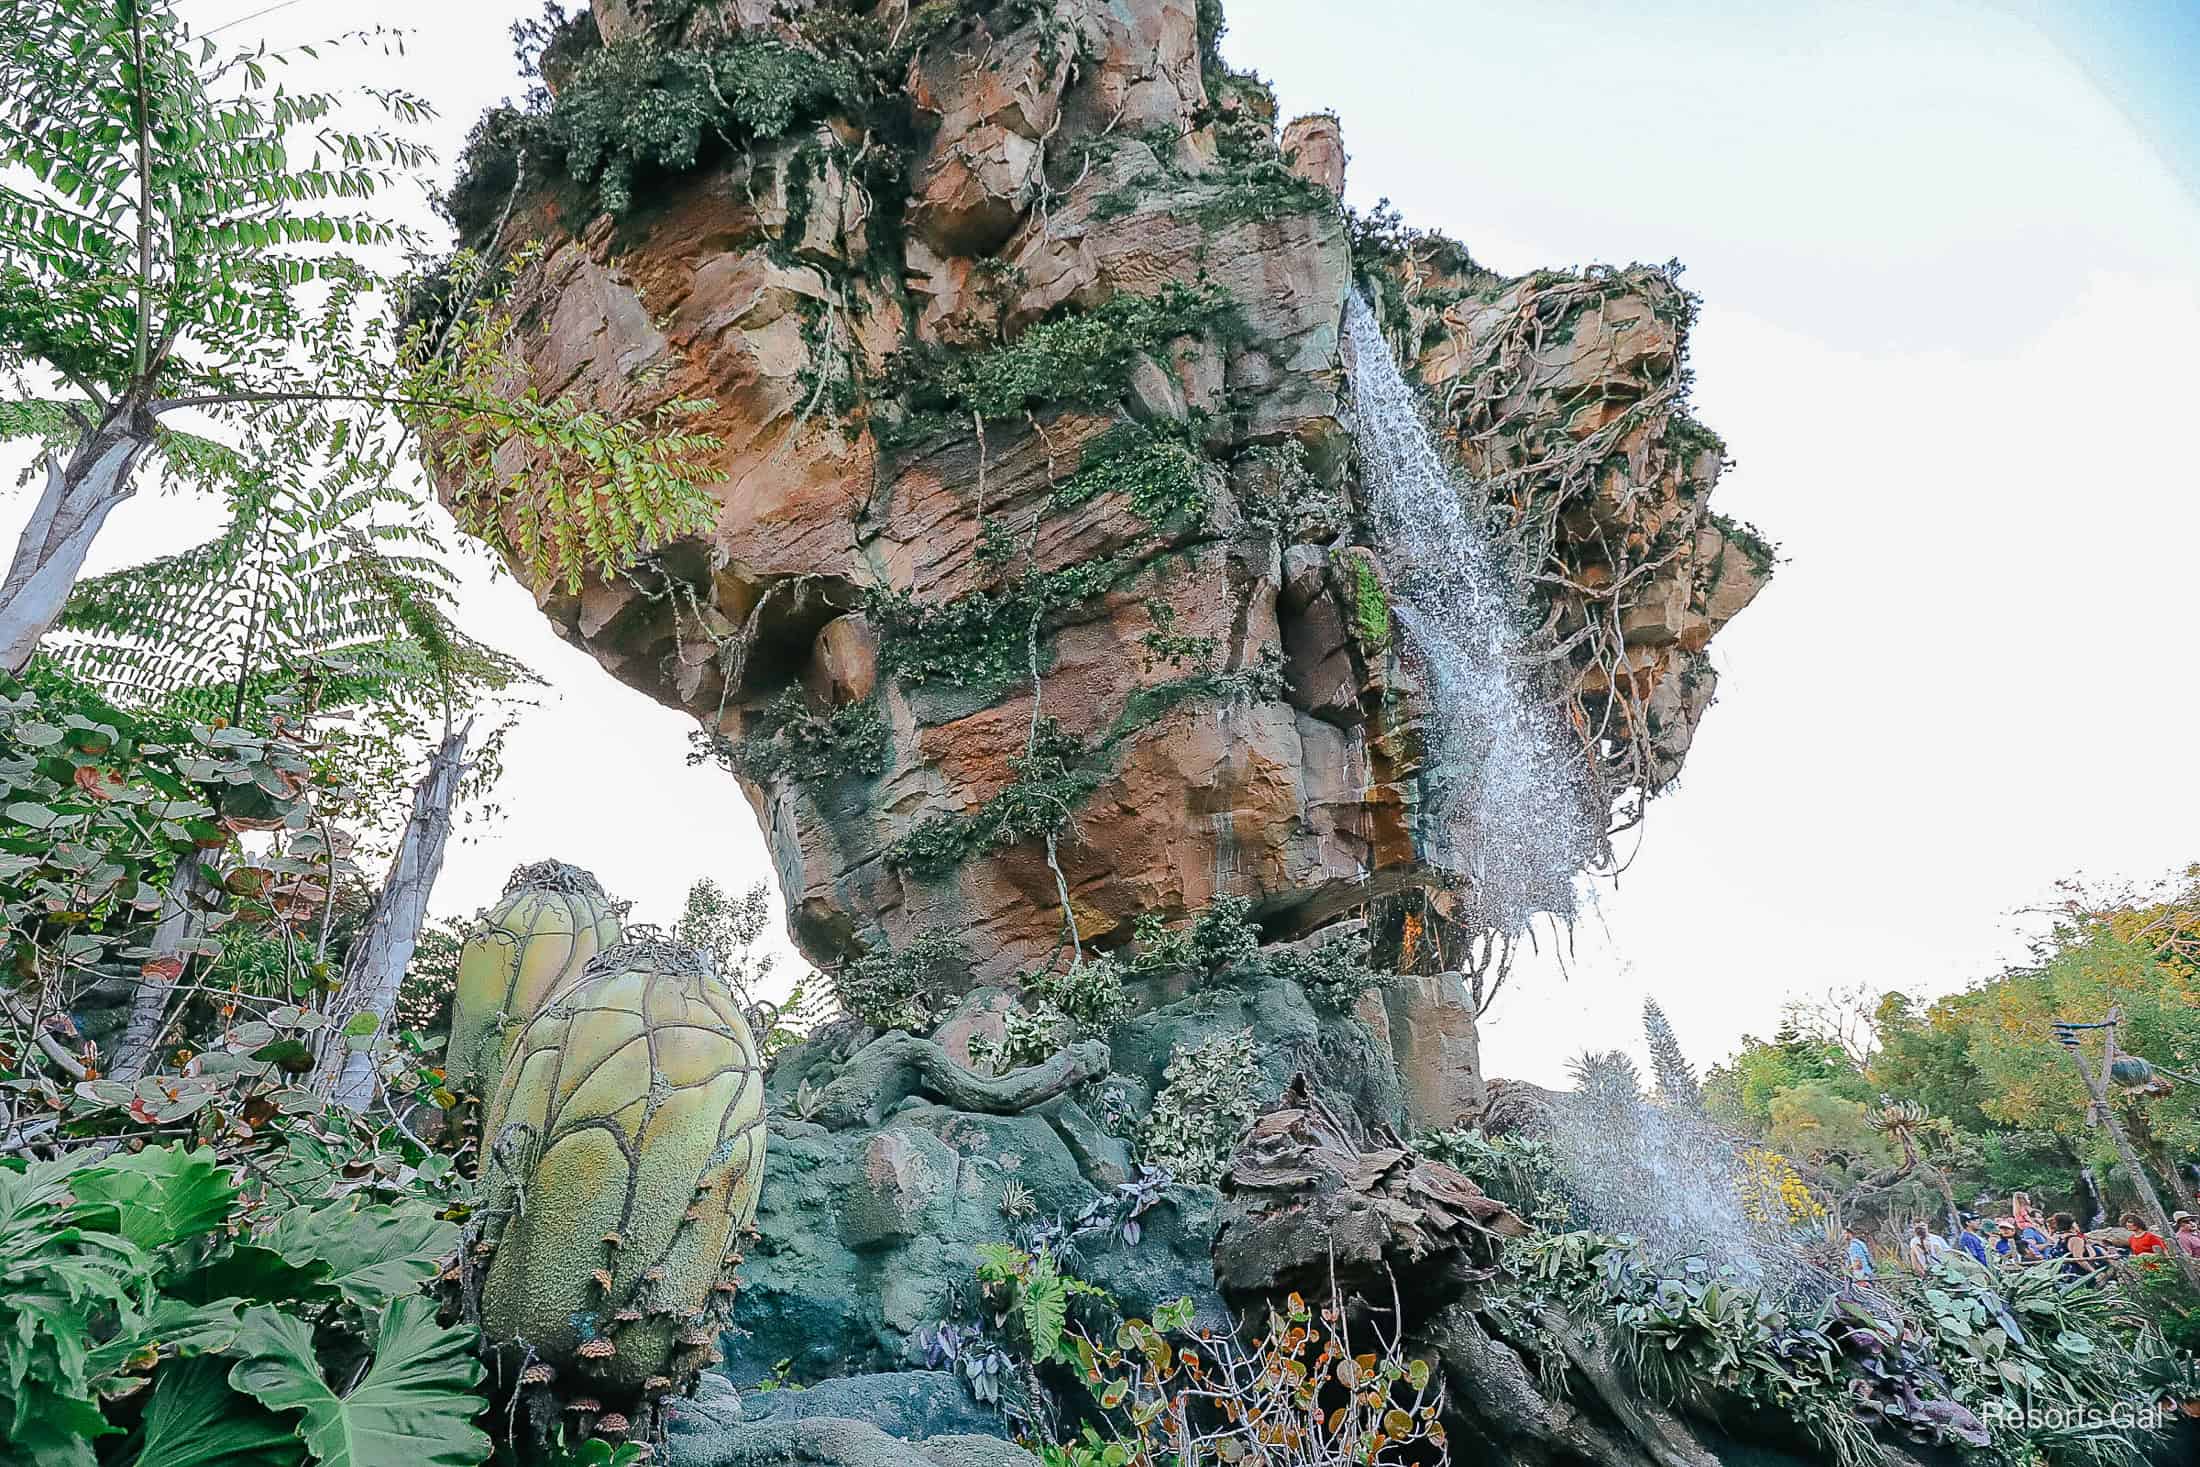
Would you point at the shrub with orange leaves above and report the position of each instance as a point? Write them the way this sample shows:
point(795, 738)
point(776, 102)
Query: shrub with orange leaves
point(1296, 1394)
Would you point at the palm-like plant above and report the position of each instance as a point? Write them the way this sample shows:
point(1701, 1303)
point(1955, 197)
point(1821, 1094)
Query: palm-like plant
point(324, 577)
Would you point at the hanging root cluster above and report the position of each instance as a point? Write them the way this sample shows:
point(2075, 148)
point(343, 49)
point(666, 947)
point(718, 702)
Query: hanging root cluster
point(1563, 396)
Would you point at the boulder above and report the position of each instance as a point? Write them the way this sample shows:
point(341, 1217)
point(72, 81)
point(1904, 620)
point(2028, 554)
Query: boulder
point(869, 1235)
point(1314, 147)
point(1432, 1035)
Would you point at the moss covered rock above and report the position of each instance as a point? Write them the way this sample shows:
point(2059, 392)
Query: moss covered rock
point(624, 1145)
point(551, 920)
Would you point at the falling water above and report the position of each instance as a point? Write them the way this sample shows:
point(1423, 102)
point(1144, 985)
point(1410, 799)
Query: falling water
point(1503, 803)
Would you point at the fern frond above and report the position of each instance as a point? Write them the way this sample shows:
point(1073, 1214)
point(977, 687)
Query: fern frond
point(325, 576)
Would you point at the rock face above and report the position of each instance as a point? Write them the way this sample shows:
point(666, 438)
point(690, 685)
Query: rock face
point(1116, 600)
point(868, 1232)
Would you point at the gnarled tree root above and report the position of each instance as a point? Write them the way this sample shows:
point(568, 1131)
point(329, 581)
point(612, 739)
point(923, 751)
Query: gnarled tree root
point(897, 1065)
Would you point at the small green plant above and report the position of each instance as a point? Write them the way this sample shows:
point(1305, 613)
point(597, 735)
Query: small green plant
point(1165, 645)
point(1370, 604)
point(1210, 1094)
point(1334, 976)
point(895, 990)
point(791, 742)
point(1031, 1292)
point(1090, 1450)
point(1084, 1000)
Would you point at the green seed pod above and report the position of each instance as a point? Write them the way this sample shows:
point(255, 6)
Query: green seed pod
point(625, 1144)
point(552, 919)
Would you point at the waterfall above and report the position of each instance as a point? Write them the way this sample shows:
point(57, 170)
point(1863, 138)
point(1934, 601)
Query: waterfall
point(1502, 788)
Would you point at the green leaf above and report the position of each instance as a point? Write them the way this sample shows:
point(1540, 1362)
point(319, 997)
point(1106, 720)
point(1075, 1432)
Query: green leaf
point(196, 1420)
point(373, 1254)
point(59, 1433)
point(37, 817)
point(162, 1194)
point(250, 1273)
point(414, 1408)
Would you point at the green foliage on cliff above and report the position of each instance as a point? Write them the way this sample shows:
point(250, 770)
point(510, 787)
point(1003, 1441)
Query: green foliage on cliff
point(1763, 552)
point(1156, 466)
point(1210, 1094)
point(1047, 786)
point(1077, 359)
point(1060, 772)
point(791, 742)
point(895, 990)
point(1370, 604)
point(1335, 976)
point(981, 640)
point(638, 107)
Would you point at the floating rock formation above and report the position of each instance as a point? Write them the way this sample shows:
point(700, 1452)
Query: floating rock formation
point(1042, 617)
point(1035, 490)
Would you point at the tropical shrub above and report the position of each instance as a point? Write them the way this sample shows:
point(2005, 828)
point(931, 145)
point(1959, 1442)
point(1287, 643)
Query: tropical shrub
point(1965, 1357)
point(1299, 1390)
point(1210, 1094)
point(897, 990)
point(164, 1314)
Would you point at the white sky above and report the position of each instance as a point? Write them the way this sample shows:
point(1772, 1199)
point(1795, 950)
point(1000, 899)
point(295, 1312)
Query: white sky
point(1951, 301)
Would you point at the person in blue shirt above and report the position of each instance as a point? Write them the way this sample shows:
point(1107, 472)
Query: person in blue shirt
point(1970, 1240)
point(1860, 1257)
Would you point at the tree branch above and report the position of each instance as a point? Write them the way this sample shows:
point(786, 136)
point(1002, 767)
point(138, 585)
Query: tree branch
point(897, 1065)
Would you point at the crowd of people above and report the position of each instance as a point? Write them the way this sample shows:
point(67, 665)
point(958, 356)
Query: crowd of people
point(2022, 1238)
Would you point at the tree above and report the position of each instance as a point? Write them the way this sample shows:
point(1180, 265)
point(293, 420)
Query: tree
point(1742, 1089)
point(1846, 1018)
point(178, 234)
point(1676, 1078)
point(1926, 1055)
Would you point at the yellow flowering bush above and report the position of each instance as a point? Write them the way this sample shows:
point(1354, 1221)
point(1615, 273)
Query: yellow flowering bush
point(1772, 1192)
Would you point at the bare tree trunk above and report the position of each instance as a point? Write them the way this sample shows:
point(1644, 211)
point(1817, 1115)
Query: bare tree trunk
point(2151, 1147)
point(149, 1008)
point(50, 554)
point(384, 948)
point(2102, 1111)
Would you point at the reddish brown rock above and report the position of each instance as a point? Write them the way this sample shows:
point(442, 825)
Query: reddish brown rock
point(1314, 147)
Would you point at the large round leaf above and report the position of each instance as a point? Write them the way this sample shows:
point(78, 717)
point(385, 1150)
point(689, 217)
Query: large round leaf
point(196, 1420)
point(162, 1194)
point(373, 1253)
point(414, 1408)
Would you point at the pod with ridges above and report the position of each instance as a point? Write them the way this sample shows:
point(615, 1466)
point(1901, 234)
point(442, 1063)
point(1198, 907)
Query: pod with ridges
point(551, 920)
point(631, 1109)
